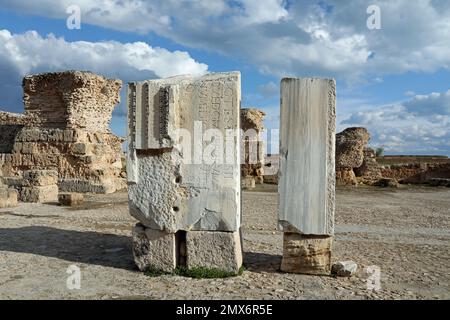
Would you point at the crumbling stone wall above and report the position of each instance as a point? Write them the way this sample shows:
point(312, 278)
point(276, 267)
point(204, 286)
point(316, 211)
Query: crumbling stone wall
point(71, 99)
point(65, 128)
point(350, 145)
point(252, 167)
point(416, 173)
point(370, 171)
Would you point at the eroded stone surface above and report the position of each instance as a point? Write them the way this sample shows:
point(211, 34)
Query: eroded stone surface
point(40, 178)
point(153, 249)
point(214, 249)
point(344, 268)
point(39, 194)
point(306, 254)
point(346, 177)
point(307, 168)
point(350, 146)
point(65, 128)
point(8, 196)
point(252, 146)
point(172, 184)
point(71, 99)
point(370, 170)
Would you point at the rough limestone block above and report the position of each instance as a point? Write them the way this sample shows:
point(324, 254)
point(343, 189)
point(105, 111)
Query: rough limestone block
point(172, 183)
point(248, 183)
point(71, 99)
point(40, 178)
point(214, 249)
point(80, 148)
point(8, 197)
point(154, 249)
point(306, 254)
point(39, 194)
point(70, 199)
point(344, 268)
point(307, 168)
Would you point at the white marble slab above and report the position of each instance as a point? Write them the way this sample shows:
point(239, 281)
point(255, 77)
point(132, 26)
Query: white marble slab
point(307, 148)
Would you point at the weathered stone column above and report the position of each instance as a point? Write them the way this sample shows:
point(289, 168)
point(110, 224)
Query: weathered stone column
point(252, 148)
point(183, 168)
point(307, 174)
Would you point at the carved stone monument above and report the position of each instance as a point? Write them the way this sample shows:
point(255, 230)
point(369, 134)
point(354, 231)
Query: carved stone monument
point(307, 174)
point(183, 169)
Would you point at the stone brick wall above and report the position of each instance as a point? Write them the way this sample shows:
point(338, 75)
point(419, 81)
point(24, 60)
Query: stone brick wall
point(71, 99)
point(65, 128)
point(253, 150)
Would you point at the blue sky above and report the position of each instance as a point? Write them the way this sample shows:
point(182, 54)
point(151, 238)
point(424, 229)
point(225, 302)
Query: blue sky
point(395, 80)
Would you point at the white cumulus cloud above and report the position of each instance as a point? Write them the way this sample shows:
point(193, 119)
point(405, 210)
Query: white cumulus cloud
point(29, 52)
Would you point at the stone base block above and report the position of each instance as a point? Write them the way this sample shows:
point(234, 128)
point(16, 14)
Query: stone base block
point(39, 194)
point(214, 249)
point(40, 178)
point(8, 197)
point(307, 254)
point(248, 183)
point(70, 199)
point(154, 249)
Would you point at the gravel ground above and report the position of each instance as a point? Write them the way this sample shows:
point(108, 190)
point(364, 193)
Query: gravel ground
point(404, 232)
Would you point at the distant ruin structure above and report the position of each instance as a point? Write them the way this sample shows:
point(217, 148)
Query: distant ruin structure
point(350, 145)
point(252, 147)
point(63, 131)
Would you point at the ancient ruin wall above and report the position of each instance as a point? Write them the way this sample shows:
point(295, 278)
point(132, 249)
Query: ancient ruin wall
point(71, 99)
point(65, 128)
point(253, 149)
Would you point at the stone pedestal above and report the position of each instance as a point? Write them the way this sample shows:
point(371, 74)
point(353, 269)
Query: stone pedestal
point(183, 168)
point(214, 249)
point(154, 249)
point(306, 254)
point(307, 173)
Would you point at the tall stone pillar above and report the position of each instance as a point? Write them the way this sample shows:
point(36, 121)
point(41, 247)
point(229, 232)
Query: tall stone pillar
point(307, 174)
point(183, 168)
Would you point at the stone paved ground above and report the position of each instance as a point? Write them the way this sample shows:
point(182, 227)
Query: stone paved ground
point(406, 232)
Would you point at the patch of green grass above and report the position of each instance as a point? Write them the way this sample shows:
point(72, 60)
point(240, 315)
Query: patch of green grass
point(155, 273)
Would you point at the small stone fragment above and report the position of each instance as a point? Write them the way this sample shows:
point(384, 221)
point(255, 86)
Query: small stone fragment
point(70, 199)
point(344, 268)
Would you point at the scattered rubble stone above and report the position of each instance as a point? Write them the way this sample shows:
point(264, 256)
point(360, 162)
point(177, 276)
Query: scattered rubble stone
point(344, 268)
point(387, 182)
